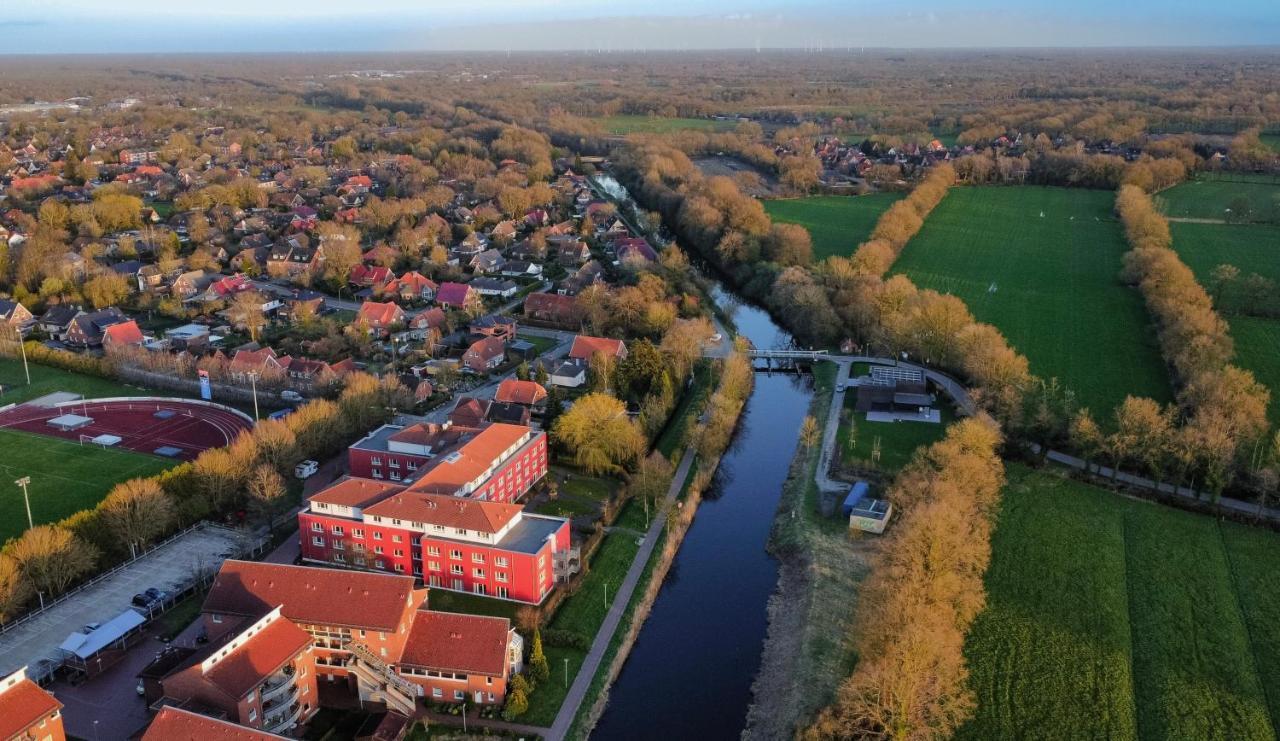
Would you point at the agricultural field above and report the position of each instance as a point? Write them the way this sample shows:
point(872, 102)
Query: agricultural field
point(1271, 140)
point(66, 477)
point(837, 224)
point(1242, 198)
point(631, 124)
point(1095, 624)
point(1042, 264)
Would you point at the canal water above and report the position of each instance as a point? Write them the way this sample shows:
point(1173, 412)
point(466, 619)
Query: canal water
point(689, 674)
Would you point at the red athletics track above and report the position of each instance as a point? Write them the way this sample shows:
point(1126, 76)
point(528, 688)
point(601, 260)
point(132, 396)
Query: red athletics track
point(193, 428)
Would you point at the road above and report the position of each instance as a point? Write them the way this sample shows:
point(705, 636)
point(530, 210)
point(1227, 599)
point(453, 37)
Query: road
point(341, 304)
point(582, 682)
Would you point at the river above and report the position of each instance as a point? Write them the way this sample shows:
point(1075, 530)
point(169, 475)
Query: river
point(689, 674)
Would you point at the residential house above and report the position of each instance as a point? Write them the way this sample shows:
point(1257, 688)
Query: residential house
point(487, 262)
point(430, 319)
point(585, 348)
point(494, 287)
point(15, 315)
point(192, 283)
point(472, 245)
point(507, 413)
point(86, 330)
point(503, 327)
point(455, 295)
point(57, 319)
point(521, 269)
point(224, 289)
point(121, 335)
point(469, 412)
point(573, 252)
point(371, 276)
point(504, 231)
point(294, 255)
point(569, 373)
point(412, 286)
point(307, 373)
point(553, 308)
point(262, 364)
point(526, 393)
point(634, 251)
point(485, 355)
point(28, 711)
point(380, 317)
point(176, 724)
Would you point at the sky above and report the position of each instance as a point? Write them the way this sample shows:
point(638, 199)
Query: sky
point(96, 26)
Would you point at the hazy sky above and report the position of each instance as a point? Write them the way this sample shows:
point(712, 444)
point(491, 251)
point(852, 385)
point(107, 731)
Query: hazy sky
point(59, 26)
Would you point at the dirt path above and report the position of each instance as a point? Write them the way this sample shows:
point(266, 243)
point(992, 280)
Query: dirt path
point(1189, 220)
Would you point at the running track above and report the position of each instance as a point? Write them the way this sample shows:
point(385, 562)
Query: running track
point(193, 429)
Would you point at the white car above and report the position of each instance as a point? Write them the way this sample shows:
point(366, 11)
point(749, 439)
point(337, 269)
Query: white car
point(291, 395)
point(306, 469)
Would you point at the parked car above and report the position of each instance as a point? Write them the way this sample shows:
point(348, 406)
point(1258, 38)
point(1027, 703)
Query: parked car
point(306, 469)
point(291, 395)
point(840, 386)
point(141, 689)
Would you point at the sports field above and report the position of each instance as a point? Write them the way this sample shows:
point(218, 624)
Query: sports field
point(1114, 618)
point(46, 380)
point(631, 124)
point(1211, 198)
point(1043, 265)
point(837, 224)
point(66, 477)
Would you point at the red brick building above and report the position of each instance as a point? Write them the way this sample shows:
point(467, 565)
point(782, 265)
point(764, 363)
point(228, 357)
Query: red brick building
point(497, 462)
point(27, 711)
point(262, 677)
point(372, 634)
point(175, 724)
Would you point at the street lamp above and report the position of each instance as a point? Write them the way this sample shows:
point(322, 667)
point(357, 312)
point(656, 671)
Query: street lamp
point(253, 379)
point(23, 482)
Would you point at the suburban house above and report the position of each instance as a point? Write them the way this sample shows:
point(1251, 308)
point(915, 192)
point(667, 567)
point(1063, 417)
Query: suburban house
point(493, 326)
point(57, 319)
point(86, 330)
point(507, 413)
point(262, 676)
point(433, 318)
point(262, 364)
point(489, 261)
point(585, 348)
point(380, 316)
point(485, 354)
point(526, 393)
point(521, 269)
point(14, 314)
point(380, 644)
point(494, 287)
point(469, 411)
point(172, 724)
point(27, 711)
point(412, 286)
point(124, 334)
point(294, 255)
point(568, 373)
point(371, 276)
point(454, 295)
point(552, 308)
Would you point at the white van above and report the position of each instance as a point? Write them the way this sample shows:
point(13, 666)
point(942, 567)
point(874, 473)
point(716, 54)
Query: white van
point(306, 469)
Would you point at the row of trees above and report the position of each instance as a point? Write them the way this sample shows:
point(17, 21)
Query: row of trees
point(902, 221)
point(247, 474)
point(924, 590)
point(1224, 406)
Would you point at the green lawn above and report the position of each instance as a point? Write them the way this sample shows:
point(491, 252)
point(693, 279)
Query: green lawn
point(690, 405)
point(1204, 198)
point(66, 477)
point(1122, 619)
point(46, 380)
point(898, 440)
point(631, 124)
point(1271, 140)
point(1058, 296)
point(1257, 342)
point(541, 344)
point(837, 224)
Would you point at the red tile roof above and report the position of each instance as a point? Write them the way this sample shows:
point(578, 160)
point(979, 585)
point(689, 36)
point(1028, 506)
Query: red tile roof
point(354, 492)
point(443, 509)
point(584, 347)
point(381, 314)
point(314, 596)
point(124, 333)
point(174, 724)
point(263, 654)
point(471, 460)
point(520, 392)
point(23, 704)
point(453, 642)
point(453, 294)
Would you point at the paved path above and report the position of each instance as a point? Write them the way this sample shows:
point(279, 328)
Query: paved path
point(825, 482)
point(582, 682)
point(1190, 220)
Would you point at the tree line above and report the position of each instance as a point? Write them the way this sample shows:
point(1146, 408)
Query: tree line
point(248, 474)
point(924, 589)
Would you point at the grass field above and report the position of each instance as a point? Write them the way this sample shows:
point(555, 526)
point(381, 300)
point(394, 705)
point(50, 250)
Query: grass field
point(1211, 199)
point(628, 124)
point(65, 477)
point(1121, 619)
point(45, 380)
point(898, 440)
point(1271, 140)
point(837, 224)
point(1058, 296)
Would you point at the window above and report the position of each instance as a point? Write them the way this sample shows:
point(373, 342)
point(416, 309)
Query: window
point(317, 540)
point(437, 692)
point(500, 576)
point(433, 550)
point(455, 553)
point(438, 528)
point(377, 473)
point(399, 552)
point(500, 561)
point(395, 475)
point(411, 465)
point(377, 535)
point(459, 695)
point(397, 539)
point(379, 564)
point(317, 527)
point(462, 531)
point(393, 462)
point(394, 521)
point(477, 573)
point(337, 530)
point(477, 558)
point(339, 558)
point(357, 533)
point(455, 569)
point(478, 589)
point(399, 568)
point(338, 545)
point(253, 714)
point(377, 549)
point(376, 460)
point(215, 617)
point(433, 565)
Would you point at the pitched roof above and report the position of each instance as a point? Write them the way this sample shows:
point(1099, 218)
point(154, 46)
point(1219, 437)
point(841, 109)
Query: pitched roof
point(175, 724)
point(477, 515)
point(124, 333)
point(375, 312)
point(469, 461)
point(311, 595)
point(584, 347)
point(433, 317)
point(488, 348)
point(452, 293)
point(258, 657)
point(22, 702)
point(450, 641)
point(354, 492)
point(520, 392)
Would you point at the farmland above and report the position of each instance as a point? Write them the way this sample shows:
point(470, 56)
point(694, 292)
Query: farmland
point(1042, 264)
point(632, 124)
point(66, 477)
point(836, 223)
point(1094, 622)
point(1243, 198)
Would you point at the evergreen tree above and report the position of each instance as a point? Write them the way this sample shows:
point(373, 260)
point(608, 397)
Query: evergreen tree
point(537, 659)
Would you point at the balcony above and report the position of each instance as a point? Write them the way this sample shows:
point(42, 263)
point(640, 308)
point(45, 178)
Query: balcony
point(283, 721)
point(566, 563)
point(275, 694)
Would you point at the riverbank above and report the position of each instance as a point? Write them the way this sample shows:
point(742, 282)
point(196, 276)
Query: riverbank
point(808, 648)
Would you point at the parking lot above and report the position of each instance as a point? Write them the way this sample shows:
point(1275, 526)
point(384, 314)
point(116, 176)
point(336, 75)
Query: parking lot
point(171, 567)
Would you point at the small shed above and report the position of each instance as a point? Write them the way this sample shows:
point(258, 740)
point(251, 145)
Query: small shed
point(864, 511)
point(860, 489)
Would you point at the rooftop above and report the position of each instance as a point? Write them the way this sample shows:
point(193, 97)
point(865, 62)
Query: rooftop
point(22, 702)
point(450, 641)
point(450, 511)
point(254, 657)
point(354, 492)
point(175, 724)
point(472, 460)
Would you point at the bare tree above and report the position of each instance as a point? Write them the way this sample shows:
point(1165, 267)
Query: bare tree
point(52, 557)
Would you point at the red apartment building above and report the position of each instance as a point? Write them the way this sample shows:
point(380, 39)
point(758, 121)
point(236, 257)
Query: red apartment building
point(175, 724)
point(372, 634)
point(27, 711)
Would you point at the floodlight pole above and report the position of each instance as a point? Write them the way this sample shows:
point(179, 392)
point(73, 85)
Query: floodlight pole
point(253, 379)
point(25, 370)
point(23, 482)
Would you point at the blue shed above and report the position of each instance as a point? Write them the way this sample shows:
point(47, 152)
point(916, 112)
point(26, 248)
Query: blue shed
point(860, 489)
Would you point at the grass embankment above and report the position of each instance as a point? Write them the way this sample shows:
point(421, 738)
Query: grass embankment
point(1042, 264)
point(808, 649)
point(46, 380)
point(837, 224)
point(1118, 618)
